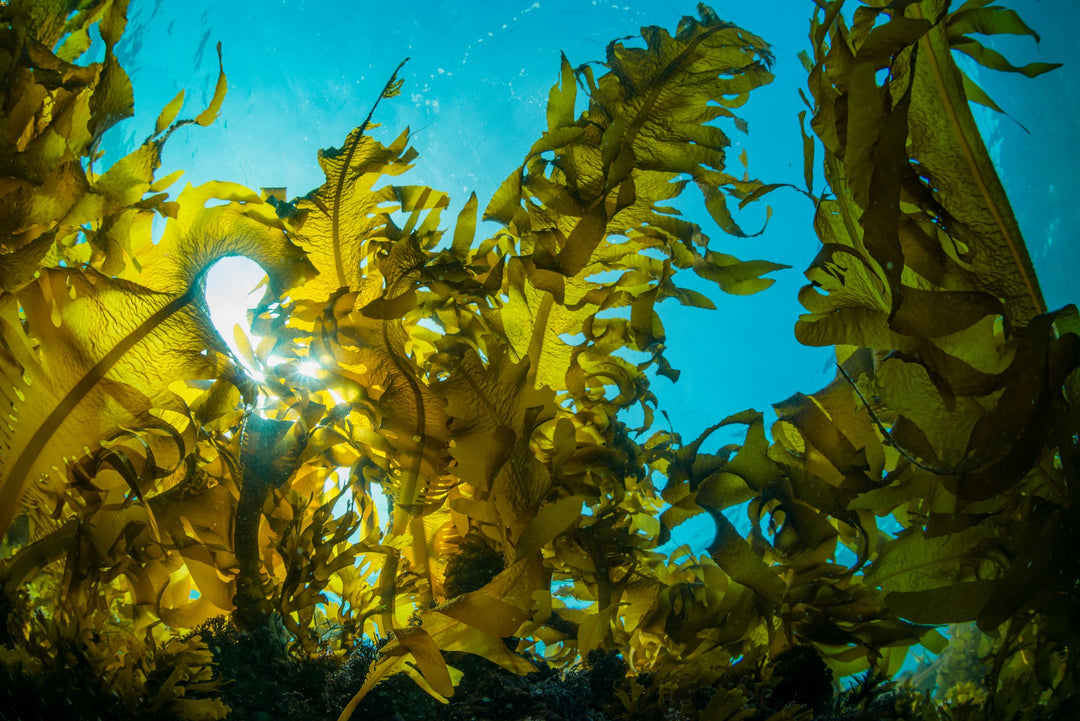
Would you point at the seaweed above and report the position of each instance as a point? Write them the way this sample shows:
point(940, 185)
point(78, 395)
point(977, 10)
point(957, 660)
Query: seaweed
point(151, 482)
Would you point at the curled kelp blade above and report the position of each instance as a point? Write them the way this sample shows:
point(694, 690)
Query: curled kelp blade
point(202, 231)
point(94, 352)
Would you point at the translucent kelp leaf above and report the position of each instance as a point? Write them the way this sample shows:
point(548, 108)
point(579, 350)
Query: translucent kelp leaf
point(494, 412)
point(953, 157)
point(101, 384)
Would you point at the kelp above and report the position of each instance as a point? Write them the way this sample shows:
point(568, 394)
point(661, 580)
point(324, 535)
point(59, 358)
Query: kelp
point(150, 482)
point(961, 370)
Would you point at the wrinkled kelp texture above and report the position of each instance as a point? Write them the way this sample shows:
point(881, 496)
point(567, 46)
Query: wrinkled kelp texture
point(149, 484)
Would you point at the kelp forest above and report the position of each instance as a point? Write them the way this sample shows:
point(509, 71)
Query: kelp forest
point(190, 533)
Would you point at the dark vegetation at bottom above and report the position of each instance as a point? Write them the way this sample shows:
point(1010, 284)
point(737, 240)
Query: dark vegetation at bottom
point(260, 680)
point(70, 692)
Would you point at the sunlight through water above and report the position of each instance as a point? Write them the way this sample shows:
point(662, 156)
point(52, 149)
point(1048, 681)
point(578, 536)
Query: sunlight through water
point(232, 290)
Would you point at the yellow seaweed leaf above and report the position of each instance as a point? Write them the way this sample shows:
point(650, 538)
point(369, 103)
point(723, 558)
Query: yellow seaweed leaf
point(494, 411)
point(551, 521)
point(208, 115)
point(467, 626)
point(169, 113)
point(953, 154)
point(428, 658)
point(81, 362)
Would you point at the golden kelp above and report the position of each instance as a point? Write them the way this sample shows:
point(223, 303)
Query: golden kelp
point(148, 484)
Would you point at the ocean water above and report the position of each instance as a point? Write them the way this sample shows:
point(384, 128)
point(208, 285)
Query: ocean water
point(303, 73)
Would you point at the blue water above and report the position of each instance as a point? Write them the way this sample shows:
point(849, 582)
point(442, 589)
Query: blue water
point(302, 74)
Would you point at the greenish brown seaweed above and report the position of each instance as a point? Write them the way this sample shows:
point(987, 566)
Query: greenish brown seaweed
point(149, 488)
